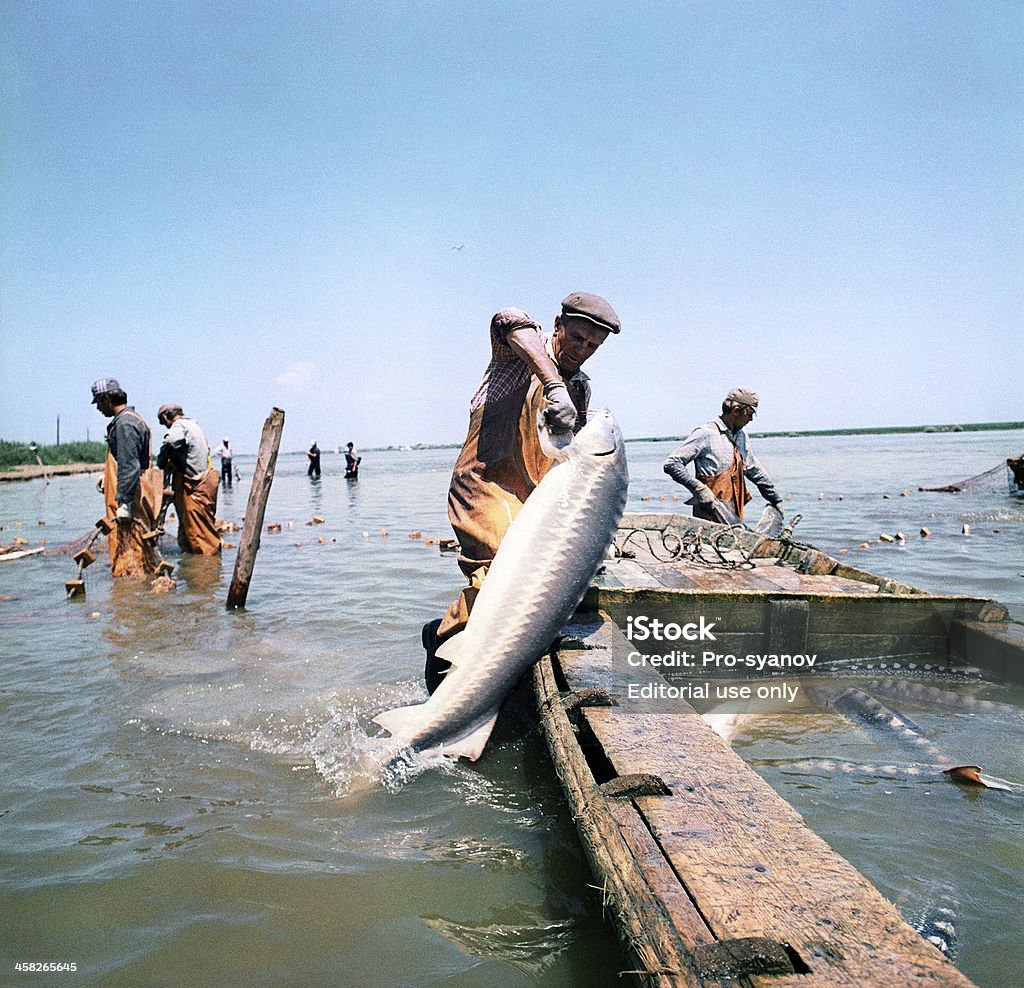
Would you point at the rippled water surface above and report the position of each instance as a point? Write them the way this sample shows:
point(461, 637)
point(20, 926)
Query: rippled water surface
point(176, 801)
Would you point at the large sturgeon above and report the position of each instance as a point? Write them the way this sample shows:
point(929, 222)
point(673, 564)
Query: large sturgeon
point(538, 577)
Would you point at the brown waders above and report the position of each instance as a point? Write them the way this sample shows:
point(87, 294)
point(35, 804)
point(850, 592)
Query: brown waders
point(500, 465)
point(130, 554)
point(195, 500)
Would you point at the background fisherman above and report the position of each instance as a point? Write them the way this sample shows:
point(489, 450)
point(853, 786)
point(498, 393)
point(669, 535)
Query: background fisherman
point(501, 461)
point(132, 489)
point(722, 461)
point(186, 454)
point(352, 461)
point(314, 460)
point(226, 455)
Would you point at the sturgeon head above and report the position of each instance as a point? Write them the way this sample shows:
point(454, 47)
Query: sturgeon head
point(539, 575)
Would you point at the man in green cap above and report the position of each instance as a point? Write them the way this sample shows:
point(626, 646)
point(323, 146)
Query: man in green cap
point(501, 462)
point(715, 462)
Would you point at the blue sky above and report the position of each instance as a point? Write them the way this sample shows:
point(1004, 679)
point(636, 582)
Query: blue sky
point(242, 205)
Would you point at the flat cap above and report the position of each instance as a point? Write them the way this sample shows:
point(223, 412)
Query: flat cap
point(105, 386)
point(591, 307)
point(743, 396)
point(172, 407)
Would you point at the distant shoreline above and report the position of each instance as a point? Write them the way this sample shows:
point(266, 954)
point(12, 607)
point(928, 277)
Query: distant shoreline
point(883, 430)
point(34, 471)
point(860, 431)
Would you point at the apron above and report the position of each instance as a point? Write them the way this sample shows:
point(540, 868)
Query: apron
point(730, 486)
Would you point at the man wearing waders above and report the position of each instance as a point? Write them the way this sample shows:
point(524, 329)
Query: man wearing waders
point(715, 462)
point(185, 453)
point(132, 489)
point(501, 462)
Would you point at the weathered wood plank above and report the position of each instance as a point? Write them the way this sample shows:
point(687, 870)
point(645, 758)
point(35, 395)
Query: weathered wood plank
point(739, 611)
point(629, 573)
point(996, 646)
point(753, 867)
point(641, 917)
point(743, 862)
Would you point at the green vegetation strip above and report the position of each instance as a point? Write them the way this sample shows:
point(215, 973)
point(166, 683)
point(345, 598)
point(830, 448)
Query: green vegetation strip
point(20, 454)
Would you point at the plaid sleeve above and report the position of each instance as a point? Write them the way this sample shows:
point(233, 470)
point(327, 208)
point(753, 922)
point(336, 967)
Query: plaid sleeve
point(506, 372)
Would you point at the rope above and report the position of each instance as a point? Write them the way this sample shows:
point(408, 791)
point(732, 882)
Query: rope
point(697, 549)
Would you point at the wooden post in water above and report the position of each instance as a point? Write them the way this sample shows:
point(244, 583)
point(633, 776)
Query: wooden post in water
point(262, 478)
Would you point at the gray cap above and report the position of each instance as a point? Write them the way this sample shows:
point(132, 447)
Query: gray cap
point(591, 307)
point(743, 396)
point(105, 386)
point(172, 408)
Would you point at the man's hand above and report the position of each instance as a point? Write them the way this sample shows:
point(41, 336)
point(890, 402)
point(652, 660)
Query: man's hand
point(722, 512)
point(718, 509)
point(560, 414)
point(123, 514)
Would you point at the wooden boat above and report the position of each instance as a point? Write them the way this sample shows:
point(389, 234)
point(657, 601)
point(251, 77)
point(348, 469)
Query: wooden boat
point(710, 876)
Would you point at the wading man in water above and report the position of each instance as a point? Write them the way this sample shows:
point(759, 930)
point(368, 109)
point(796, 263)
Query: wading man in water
point(501, 462)
point(132, 489)
point(185, 453)
point(722, 462)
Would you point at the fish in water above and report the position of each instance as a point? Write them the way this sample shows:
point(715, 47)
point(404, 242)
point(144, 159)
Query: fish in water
point(924, 693)
point(936, 925)
point(856, 703)
point(539, 575)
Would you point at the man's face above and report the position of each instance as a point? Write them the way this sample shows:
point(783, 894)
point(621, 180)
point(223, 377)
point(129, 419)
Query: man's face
point(574, 341)
point(739, 417)
point(104, 405)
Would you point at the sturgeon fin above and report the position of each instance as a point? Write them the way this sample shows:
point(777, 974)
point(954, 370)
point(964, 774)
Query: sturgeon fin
point(971, 775)
point(453, 651)
point(400, 722)
point(472, 745)
point(554, 445)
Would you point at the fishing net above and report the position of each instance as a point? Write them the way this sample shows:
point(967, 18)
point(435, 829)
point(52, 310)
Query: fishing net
point(992, 481)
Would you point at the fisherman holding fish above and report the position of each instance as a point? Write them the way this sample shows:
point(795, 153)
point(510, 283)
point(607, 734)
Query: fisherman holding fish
point(131, 487)
point(185, 453)
point(502, 462)
point(715, 462)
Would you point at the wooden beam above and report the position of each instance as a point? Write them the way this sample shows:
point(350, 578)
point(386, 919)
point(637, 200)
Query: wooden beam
point(641, 919)
point(252, 525)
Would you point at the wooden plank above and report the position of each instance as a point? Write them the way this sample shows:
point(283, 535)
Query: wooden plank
point(724, 854)
point(789, 579)
point(663, 882)
point(642, 921)
point(996, 646)
point(629, 573)
point(787, 625)
point(752, 866)
point(925, 614)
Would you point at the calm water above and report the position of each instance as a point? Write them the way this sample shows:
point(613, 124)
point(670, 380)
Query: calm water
point(173, 804)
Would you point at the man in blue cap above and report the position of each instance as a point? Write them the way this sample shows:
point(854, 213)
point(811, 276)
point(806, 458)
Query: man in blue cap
point(501, 462)
point(132, 489)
